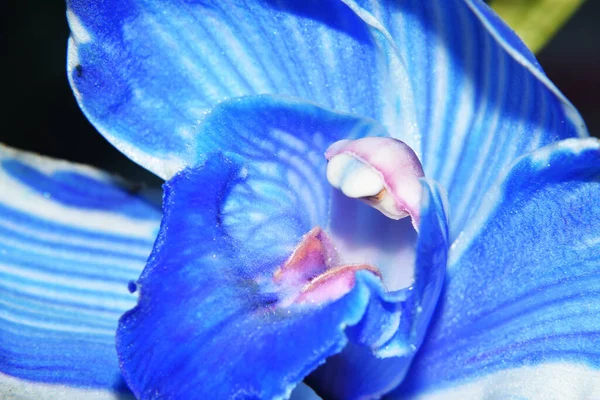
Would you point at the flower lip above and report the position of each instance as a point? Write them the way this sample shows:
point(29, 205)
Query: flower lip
point(313, 274)
point(383, 172)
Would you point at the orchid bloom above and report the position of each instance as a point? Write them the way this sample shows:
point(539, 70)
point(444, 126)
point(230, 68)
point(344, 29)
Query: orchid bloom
point(371, 198)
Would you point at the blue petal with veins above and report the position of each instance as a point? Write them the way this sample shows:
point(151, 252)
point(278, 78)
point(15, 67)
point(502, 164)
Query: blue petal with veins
point(147, 73)
point(73, 189)
point(281, 143)
point(481, 99)
point(541, 302)
point(446, 77)
point(358, 371)
point(66, 259)
point(206, 309)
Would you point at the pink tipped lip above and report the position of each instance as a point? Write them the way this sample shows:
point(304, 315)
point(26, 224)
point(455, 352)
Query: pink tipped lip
point(312, 273)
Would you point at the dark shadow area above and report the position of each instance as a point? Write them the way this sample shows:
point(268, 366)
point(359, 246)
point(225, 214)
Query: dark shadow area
point(39, 112)
point(572, 61)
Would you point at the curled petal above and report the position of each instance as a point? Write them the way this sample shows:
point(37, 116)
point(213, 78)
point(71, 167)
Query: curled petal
point(359, 371)
point(518, 304)
point(280, 143)
point(239, 276)
point(202, 318)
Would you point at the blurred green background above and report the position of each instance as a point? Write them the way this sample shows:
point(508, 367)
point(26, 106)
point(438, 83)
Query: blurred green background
point(40, 113)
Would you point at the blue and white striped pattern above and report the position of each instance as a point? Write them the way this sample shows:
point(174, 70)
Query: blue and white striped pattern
point(446, 77)
point(523, 292)
point(281, 144)
point(481, 98)
point(71, 239)
point(146, 73)
point(284, 194)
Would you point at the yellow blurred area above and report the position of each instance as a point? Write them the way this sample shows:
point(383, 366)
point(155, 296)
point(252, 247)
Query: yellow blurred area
point(536, 21)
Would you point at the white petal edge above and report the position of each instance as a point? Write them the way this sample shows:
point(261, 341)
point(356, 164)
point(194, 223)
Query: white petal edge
point(12, 388)
point(13, 193)
point(551, 381)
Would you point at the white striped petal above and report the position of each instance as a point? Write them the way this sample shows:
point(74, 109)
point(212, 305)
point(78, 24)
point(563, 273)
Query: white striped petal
point(146, 73)
point(480, 96)
point(71, 240)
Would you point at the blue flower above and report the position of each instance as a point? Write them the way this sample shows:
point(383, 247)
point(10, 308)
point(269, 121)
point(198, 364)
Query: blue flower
point(263, 275)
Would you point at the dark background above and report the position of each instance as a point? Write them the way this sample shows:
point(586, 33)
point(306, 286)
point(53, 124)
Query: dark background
point(40, 113)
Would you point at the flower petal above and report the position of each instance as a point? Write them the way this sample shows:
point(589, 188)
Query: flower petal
point(281, 144)
point(210, 291)
point(358, 373)
point(524, 290)
point(147, 72)
point(204, 315)
point(481, 98)
point(71, 238)
point(202, 319)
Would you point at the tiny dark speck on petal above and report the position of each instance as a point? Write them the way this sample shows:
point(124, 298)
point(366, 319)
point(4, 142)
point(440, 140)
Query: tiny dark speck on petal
point(268, 299)
point(132, 286)
point(79, 70)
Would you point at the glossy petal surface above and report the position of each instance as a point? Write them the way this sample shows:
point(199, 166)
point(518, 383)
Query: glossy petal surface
point(146, 73)
point(523, 293)
point(209, 305)
point(481, 99)
point(71, 238)
point(447, 77)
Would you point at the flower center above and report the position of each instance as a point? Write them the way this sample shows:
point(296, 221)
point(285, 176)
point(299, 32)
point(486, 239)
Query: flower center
point(382, 172)
point(385, 174)
point(313, 274)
